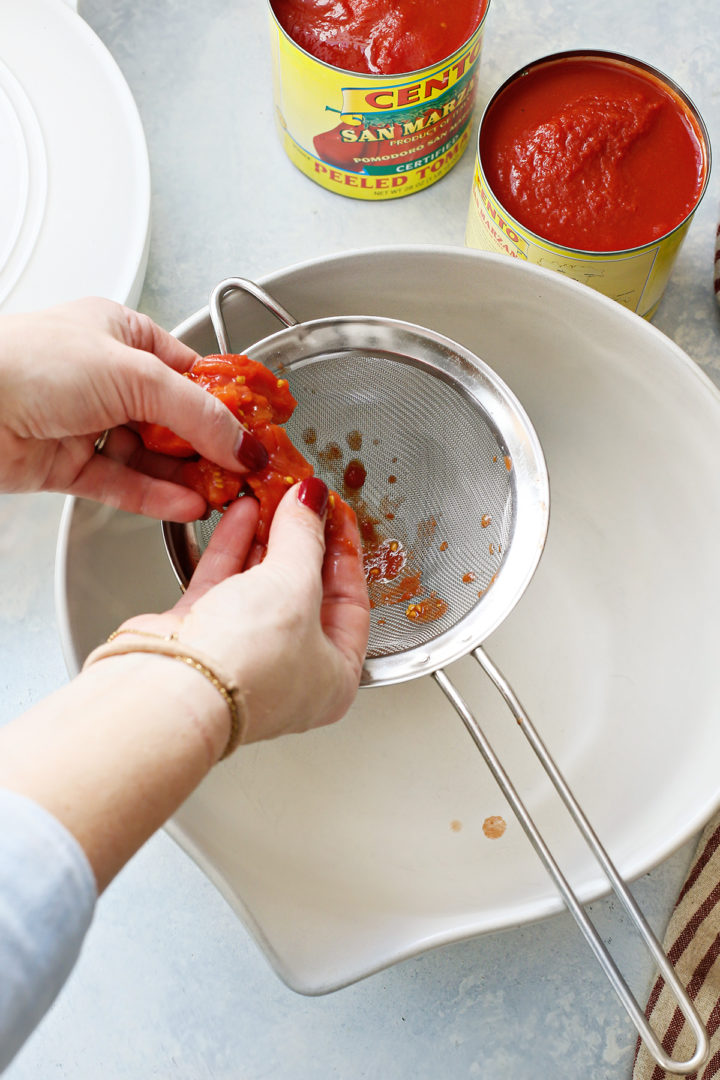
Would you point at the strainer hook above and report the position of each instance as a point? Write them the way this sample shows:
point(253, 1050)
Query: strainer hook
point(217, 296)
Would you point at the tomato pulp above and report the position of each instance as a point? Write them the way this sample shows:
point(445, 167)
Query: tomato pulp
point(593, 153)
point(261, 402)
point(379, 37)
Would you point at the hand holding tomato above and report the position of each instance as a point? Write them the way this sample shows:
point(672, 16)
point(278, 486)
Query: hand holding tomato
point(136, 733)
point(293, 629)
point(69, 373)
point(262, 402)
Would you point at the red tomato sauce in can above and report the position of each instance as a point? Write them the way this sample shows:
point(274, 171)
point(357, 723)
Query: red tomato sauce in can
point(373, 98)
point(593, 154)
point(379, 37)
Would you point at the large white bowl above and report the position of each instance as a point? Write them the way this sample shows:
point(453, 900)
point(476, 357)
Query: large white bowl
point(350, 848)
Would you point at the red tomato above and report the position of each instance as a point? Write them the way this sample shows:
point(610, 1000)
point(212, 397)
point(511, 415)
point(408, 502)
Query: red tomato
point(261, 402)
point(163, 441)
point(217, 486)
point(286, 465)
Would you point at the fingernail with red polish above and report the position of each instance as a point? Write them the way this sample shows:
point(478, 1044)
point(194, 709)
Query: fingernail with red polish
point(313, 493)
point(250, 452)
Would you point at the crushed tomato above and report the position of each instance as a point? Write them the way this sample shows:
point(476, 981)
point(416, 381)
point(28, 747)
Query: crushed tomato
point(380, 37)
point(593, 154)
point(261, 402)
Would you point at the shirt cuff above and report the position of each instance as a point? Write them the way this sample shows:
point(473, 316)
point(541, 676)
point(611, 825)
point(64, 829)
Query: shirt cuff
point(47, 898)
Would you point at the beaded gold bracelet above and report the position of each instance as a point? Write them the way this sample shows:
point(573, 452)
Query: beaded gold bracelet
point(168, 645)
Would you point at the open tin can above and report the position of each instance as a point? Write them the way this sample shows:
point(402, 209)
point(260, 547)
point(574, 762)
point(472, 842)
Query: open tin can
point(631, 272)
point(373, 136)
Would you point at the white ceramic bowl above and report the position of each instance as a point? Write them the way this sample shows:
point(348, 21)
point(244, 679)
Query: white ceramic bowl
point(350, 848)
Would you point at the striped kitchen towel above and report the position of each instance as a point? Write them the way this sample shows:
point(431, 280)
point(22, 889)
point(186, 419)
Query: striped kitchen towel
point(692, 944)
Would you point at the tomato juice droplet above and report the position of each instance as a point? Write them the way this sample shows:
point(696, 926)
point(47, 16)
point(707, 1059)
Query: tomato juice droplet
point(331, 453)
point(354, 475)
point(494, 827)
point(426, 530)
point(367, 526)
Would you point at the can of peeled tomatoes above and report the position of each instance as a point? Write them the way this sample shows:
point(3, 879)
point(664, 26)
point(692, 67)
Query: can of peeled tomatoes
point(375, 134)
point(592, 164)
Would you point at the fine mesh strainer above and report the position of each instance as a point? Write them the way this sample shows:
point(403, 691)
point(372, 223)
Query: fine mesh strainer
point(456, 479)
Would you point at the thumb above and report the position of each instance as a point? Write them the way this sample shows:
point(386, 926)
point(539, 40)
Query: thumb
point(297, 533)
point(200, 418)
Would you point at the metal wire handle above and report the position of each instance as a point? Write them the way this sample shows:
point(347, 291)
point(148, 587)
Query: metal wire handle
point(576, 909)
point(244, 285)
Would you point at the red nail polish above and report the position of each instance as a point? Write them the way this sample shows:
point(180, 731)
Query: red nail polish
point(250, 452)
point(313, 493)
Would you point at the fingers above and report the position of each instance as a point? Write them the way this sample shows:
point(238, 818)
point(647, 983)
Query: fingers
point(140, 332)
point(297, 534)
point(345, 611)
point(125, 445)
point(115, 484)
point(156, 394)
point(343, 572)
point(298, 542)
point(226, 552)
point(133, 372)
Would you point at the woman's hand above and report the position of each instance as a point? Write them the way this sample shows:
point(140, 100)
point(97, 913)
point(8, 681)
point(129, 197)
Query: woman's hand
point(70, 373)
point(292, 630)
point(125, 743)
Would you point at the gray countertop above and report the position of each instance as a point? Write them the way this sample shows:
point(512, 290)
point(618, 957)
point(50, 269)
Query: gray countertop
point(169, 983)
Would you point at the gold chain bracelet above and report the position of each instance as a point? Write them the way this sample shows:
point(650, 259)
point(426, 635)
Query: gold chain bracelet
point(168, 645)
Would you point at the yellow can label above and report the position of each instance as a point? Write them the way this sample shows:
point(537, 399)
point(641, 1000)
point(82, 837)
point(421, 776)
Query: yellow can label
point(373, 136)
point(635, 278)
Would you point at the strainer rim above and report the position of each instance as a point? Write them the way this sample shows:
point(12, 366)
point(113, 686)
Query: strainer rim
point(521, 559)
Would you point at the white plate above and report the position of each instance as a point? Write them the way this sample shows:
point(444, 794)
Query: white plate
point(352, 847)
point(75, 180)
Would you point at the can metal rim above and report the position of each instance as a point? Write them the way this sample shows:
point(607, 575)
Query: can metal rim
point(630, 61)
point(377, 75)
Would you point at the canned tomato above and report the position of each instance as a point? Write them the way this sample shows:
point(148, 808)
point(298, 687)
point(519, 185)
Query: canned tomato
point(376, 134)
point(592, 164)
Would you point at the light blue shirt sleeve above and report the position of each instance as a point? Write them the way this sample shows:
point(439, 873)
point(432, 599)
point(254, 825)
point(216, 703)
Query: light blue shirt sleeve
point(47, 899)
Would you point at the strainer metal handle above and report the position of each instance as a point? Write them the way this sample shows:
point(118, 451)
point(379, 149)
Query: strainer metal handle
point(243, 285)
point(574, 905)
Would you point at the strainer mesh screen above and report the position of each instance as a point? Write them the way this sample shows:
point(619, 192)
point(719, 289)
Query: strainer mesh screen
point(438, 482)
